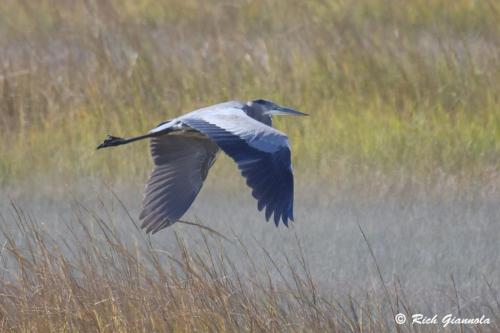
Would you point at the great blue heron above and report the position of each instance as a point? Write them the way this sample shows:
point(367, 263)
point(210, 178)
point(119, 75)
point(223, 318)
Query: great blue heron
point(185, 148)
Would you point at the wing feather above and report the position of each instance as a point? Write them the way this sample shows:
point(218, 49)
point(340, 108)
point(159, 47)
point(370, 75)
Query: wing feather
point(261, 153)
point(181, 166)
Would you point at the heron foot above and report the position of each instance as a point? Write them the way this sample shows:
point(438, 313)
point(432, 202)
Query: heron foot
point(111, 141)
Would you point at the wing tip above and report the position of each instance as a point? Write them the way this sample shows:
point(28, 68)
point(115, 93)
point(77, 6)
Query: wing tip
point(286, 216)
point(153, 225)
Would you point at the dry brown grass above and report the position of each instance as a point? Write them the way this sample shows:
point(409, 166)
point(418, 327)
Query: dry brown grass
point(94, 281)
point(89, 277)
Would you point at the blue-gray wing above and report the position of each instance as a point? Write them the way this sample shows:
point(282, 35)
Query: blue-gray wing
point(181, 165)
point(261, 153)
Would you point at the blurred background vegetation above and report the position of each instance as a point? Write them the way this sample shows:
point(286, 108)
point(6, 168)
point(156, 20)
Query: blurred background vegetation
point(395, 90)
point(403, 144)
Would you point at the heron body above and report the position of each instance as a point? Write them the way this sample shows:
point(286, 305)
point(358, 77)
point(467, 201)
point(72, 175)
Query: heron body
point(184, 149)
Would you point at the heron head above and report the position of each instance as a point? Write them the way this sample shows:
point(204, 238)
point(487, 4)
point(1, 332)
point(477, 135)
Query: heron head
point(272, 109)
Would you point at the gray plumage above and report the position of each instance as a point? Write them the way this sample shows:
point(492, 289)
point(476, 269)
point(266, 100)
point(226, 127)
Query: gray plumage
point(181, 166)
point(184, 149)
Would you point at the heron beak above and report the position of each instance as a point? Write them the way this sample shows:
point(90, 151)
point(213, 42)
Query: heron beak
point(286, 112)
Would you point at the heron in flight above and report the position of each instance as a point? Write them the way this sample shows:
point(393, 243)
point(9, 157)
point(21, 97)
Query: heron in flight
point(184, 149)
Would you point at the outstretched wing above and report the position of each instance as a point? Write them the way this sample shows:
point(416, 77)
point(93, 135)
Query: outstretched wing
point(261, 152)
point(181, 166)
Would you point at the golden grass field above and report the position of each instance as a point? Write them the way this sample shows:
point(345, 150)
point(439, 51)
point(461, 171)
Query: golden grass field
point(403, 139)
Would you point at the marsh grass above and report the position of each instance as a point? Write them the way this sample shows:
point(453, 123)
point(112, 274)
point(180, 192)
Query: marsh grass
point(93, 280)
point(390, 88)
point(90, 277)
